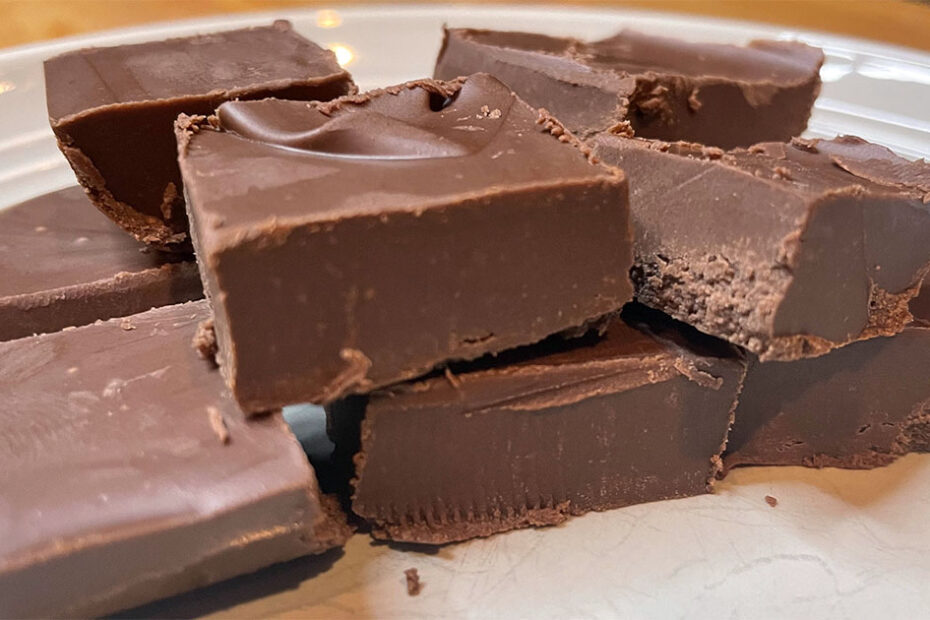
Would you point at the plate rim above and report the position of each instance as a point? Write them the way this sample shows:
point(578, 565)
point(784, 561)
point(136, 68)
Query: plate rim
point(164, 28)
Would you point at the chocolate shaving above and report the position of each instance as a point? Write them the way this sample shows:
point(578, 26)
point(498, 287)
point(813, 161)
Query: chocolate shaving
point(413, 581)
point(218, 424)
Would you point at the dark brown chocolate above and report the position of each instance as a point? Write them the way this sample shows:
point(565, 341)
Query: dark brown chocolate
point(669, 89)
point(358, 243)
point(542, 433)
point(127, 473)
point(920, 305)
point(113, 109)
point(789, 250)
point(860, 406)
point(63, 264)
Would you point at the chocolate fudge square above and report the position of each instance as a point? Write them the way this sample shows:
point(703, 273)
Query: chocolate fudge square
point(353, 244)
point(860, 406)
point(63, 264)
point(542, 433)
point(789, 250)
point(663, 88)
point(128, 473)
point(113, 109)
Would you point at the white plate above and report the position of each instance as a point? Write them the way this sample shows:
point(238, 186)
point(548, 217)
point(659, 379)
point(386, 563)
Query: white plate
point(839, 543)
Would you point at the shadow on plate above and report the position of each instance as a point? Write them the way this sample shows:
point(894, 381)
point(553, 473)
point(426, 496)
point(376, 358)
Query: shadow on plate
point(855, 487)
point(227, 594)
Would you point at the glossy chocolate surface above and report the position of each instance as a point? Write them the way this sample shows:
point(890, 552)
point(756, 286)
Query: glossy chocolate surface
point(127, 473)
point(542, 433)
point(63, 264)
point(357, 243)
point(113, 110)
point(789, 250)
point(659, 87)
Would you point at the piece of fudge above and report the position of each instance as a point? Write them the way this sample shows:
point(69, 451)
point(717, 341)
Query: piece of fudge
point(860, 406)
point(128, 473)
point(789, 250)
point(542, 433)
point(63, 264)
point(350, 245)
point(724, 95)
point(113, 111)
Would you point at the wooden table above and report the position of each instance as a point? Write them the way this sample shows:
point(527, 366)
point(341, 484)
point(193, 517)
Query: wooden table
point(893, 21)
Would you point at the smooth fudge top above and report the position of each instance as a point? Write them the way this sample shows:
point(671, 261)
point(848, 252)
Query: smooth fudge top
point(810, 167)
point(226, 63)
point(787, 249)
point(55, 241)
point(816, 166)
point(404, 149)
point(630, 52)
point(116, 431)
point(659, 85)
point(644, 347)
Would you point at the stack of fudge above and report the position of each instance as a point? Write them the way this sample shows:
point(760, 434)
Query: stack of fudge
point(557, 277)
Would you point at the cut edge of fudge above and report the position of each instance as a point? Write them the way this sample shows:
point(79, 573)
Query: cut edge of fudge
point(675, 352)
point(748, 306)
point(168, 230)
point(859, 407)
point(355, 376)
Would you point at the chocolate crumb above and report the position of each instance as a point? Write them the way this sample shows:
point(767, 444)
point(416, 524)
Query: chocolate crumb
point(781, 172)
point(623, 128)
point(694, 103)
point(413, 581)
point(218, 424)
point(771, 501)
point(487, 112)
point(205, 340)
point(452, 379)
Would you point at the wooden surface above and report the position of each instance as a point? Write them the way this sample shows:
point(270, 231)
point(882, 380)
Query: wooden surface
point(893, 21)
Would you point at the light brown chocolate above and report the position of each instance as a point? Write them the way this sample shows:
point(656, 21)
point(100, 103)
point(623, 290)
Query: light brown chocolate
point(113, 111)
point(354, 244)
point(64, 264)
point(128, 473)
point(789, 250)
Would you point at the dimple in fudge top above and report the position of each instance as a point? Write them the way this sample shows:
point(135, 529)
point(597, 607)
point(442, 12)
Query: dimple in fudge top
point(225, 61)
point(630, 52)
point(402, 148)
